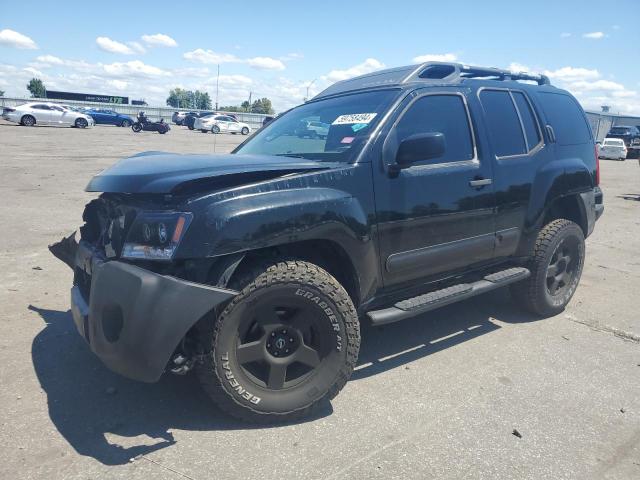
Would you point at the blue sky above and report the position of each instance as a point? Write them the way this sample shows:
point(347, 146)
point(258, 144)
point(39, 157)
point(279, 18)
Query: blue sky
point(277, 49)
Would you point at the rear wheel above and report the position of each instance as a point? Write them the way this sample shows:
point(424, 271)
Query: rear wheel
point(286, 343)
point(204, 130)
point(136, 127)
point(245, 131)
point(556, 267)
point(125, 123)
point(215, 129)
point(28, 121)
point(81, 123)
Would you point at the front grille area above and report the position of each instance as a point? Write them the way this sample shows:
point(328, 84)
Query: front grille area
point(107, 223)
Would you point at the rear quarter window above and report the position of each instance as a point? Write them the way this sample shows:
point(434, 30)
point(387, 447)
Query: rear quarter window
point(566, 117)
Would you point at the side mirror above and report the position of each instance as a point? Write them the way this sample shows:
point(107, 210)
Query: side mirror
point(419, 147)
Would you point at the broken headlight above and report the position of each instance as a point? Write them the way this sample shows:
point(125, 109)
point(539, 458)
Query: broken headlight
point(156, 235)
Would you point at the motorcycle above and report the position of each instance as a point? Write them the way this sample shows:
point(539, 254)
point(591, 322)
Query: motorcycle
point(145, 124)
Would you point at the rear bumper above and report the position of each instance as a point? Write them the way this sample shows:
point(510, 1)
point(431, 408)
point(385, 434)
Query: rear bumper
point(593, 204)
point(134, 319)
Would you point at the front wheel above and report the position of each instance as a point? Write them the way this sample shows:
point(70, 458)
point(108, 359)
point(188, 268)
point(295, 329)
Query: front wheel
point(245, 131)
point(136, 127)
point(287, 343)
point(125, 123)
point(556, 267)
point(81, 123)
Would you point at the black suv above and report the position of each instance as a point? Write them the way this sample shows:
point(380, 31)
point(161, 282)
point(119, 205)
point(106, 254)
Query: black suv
point(631, 137)
point(435, 182)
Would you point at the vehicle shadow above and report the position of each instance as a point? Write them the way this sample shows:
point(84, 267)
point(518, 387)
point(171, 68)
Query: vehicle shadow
point(113, 419)
point(391, 346)
point(108, 417)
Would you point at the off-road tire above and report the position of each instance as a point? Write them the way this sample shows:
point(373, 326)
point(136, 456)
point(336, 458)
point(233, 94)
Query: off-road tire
point(222, 375)
point(533, 293)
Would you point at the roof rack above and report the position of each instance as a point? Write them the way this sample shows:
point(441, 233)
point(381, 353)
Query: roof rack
point(455, 72)
point(429, 72)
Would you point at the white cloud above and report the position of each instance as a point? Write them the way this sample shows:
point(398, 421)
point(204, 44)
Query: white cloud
point(265, 63)
point(598, 85)
point(594, 35)
point(436, 57)
point(572, 74)
point(368, 66)
point(209, 56)
point(565, 35)
point(159, 40)
point(112, 46)
point(11, 38)
point(517, 67)
point(134, 68)
point(137, 47)
point(49, 60)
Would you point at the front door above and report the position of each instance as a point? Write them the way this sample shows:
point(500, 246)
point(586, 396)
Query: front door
point(437, 215)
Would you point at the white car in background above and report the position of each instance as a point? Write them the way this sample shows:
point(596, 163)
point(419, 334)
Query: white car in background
point(45, 113)
point(221, 124)
point(613, 148)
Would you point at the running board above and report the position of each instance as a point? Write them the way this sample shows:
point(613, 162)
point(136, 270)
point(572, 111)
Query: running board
point(439, 298)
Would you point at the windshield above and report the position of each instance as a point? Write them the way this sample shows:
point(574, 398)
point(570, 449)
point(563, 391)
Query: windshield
point(333, 130)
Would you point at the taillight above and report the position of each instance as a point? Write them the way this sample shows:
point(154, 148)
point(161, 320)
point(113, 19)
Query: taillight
point(597, 165)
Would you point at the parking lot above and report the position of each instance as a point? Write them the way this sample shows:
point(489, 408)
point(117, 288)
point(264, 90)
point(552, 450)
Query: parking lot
point(478, 389)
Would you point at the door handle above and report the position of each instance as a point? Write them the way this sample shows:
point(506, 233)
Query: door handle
point(481, 182)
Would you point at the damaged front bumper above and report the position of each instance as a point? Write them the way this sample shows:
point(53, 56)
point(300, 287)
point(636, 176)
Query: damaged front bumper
point(133, 319)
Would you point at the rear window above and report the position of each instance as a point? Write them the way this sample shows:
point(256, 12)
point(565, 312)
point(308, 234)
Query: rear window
point(566, 117)
point(614, 142)
point(503, 123)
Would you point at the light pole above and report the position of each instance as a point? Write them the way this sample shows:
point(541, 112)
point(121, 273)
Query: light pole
point(308, 87)
point(217, 85)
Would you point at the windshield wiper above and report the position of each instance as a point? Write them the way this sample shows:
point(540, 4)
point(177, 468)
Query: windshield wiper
point(290, 155)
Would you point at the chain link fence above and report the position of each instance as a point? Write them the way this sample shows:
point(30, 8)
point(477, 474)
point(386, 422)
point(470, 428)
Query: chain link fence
point(254, 120)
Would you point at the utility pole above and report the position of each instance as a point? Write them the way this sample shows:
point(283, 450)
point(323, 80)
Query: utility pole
point(249, 107)
point(217, 85)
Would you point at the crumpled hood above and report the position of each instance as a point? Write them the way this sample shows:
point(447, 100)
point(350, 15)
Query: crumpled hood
point(159, 172)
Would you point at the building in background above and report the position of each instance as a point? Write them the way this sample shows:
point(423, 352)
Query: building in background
point(601, 122)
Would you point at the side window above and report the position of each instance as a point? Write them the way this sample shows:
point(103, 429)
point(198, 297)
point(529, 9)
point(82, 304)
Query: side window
point(446, 114)
point(528, 120)
point(566, 118)
point(40, 107)
point(503, 123)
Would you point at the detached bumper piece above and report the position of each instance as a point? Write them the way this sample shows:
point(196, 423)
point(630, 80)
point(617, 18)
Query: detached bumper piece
point(439, 298)
point(133, 319)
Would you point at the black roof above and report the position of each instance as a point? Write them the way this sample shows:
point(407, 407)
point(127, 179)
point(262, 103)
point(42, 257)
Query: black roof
point(430, 72)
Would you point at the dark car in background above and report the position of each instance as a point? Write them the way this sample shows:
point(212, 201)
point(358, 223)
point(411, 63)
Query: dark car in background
point(191, 117)
point(631, 137)
point(109, 117)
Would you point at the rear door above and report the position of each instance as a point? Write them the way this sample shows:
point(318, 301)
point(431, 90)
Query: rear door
point(518, 151)
point(437, 216)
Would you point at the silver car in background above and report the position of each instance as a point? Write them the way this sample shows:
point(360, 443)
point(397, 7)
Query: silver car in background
point(221, 124)
point(46, 113)
point(613, 148)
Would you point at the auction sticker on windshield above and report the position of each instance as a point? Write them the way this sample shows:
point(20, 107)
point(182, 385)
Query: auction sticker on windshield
point(354, 118)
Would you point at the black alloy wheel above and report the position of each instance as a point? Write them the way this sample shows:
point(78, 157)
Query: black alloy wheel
point(284, 345)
